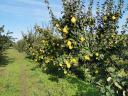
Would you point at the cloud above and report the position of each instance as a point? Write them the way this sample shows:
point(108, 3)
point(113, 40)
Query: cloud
point(30, 2)
point(21, 9)
point(18, 15)
point(26, 8)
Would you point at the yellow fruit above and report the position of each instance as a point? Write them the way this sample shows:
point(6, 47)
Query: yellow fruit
point(46, 61)
point(60, 65)
point(82, 39)
point(33, 53)
point(69, 43)
point(113, 17)
point(87, 57)
point(65, 30)
point(97, 54)
point(73, 19)
point(73, 60)
point(70, 47)
point(68, 64)
point(65, 72)
point(105, 18)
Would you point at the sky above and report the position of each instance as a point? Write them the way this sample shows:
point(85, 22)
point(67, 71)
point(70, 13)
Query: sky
point(21, 15)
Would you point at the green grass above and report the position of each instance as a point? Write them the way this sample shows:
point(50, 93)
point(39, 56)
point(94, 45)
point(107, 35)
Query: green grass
point(47, 85)
point(9, 80)
point(35, 82)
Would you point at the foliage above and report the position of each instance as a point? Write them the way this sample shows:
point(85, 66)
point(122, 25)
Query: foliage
point(5, 40)
point(101, 48)
point(21, 76)
point(91, 46)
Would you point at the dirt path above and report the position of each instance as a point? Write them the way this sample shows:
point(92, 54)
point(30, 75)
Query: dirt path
point(23, 74)
point(23, 81)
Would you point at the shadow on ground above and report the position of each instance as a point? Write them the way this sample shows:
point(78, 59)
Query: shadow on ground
point(53, 78)
point(84, 89)
point(5, 60)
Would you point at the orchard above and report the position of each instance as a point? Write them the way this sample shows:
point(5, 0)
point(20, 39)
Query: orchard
point(91, 46)
point(5, 40)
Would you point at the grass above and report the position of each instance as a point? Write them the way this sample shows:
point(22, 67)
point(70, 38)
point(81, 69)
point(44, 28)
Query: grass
point(21, 78)
point(9, 80)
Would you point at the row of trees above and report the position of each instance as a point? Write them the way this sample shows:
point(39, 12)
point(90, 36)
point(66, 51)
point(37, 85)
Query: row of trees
point(5, 40)
point(91, 46)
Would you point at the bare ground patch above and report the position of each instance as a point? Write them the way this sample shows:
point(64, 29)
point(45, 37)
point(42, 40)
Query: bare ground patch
point(24, 81)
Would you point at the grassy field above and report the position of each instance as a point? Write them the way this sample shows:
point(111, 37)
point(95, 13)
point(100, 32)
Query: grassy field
point(20, 77)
